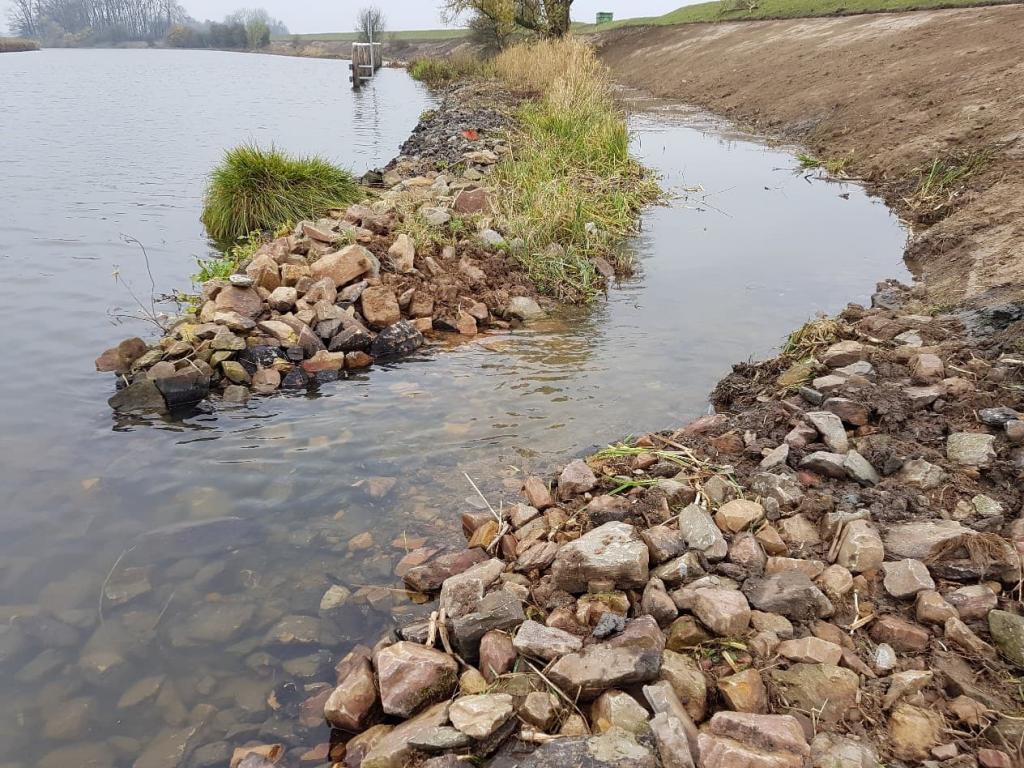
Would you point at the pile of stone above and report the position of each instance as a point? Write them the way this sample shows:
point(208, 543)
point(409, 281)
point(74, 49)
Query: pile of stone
point(828, 578)
point(333, 297)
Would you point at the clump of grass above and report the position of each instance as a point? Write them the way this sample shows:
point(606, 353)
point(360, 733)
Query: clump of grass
point(945, 178)
point(17, 44)
point(436, 72)
point(256, 189)
point(570, 180)
point(812, 338)
point(833, 166)
point(225, 264)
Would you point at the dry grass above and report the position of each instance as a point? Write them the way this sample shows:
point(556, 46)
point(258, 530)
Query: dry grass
point(17, 44)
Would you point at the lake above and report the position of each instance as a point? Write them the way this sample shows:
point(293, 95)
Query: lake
point(108, 658)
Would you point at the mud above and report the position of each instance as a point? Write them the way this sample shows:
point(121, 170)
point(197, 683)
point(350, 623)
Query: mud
point(890, 93)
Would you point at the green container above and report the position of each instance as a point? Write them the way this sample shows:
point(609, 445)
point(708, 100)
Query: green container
point(603, 17)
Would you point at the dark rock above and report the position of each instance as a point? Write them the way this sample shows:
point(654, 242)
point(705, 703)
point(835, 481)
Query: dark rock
point(296, 378)
point(497, 610)
point(609, 624)
point(140, 395)
point(260, 356)
point(351, 339)
point(186, 387)
point(789, 593)
point(398, 339)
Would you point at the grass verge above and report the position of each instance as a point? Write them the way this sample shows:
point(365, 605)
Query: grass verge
point(257, 189)
point(17, 44)
point(570, 189)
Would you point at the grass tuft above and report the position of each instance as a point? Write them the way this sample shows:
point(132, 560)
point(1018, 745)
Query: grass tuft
point(17, 44)
point(946, 178)
point(570, 189)
point(437, 72)
point(256, 189)
point(812, 338)
point(833, 166)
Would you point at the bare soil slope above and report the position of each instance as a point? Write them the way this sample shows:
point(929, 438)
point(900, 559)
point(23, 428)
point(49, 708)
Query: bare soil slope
point(891, 92)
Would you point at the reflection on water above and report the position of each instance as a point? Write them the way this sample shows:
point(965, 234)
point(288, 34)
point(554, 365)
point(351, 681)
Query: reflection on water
point(112, 649)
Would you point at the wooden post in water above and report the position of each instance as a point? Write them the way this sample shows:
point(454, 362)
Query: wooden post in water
point(362, 65)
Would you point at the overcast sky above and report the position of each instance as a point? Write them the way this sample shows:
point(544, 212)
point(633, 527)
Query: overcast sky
point(337, 15)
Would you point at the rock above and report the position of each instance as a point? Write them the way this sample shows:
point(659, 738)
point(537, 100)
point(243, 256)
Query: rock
point(688, 681)
point(860, 547)
point(539, 709)
point(738, 515)
point(465, 323)
point(849, 411)
point(412, 676)
point(776, 457)
point(482, 715)
point(398, 339)
point(746, 551)
point(959, 634)
point(577, 478)
point(672, 741)
point(913, 732)
point(402, 254)
point(831, 429)
point(826, 689)
point(392, 749)
point(380, 306)
point(973, 602)
point(355, 338)
point(344, 266)
point(614, 749)
point(615, 709)
point(435, 217)
point(245, 301)
point(139, 396)
point(811, 650)
point(790, 594)
point(724, 611)
point(844, 353)
point(900, 634)
point(998, 417)
point(744, 691)
point(537, 493)
point(472, 201)
point(440, 739)
point(735, 739)
point(825, 463)
point(905, 578)
point(921, 474)
point(700, 532)
point(836, 581)
point(610, 552)
point(656, 602)
point(293, 630)
point(858, 468)
point(971, 449)
point(994, 758)
point(609, 624)
point(1007, 630)
point(633, 656)
point(265, 381)
point(926, 368)
point(353, 704)
point(461, 592)
point(831, 750)
point(916, 541)
point(524, 308)
point(500, 610)
point(932, 608)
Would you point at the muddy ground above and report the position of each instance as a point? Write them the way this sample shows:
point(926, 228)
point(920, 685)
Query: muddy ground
point(892, 93)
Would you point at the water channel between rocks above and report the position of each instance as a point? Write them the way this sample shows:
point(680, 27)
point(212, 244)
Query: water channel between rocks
point(337, 484)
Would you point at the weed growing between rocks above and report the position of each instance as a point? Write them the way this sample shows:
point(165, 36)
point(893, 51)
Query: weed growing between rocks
point(256, 189)
point(569, 190)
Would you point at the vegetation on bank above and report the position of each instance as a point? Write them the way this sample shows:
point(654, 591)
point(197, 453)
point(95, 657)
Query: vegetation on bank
point(570, 189)
point(437, 72)
point(256, 189)
point(749, 10)
point(16, 44)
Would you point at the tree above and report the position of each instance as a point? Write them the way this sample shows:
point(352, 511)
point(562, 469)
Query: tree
point(489, 35)
point(370, 24)
point(545, 17)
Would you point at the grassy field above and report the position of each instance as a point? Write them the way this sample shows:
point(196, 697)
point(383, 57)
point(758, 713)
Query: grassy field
point(15, 44)
point(738, 10)
point(412, 36)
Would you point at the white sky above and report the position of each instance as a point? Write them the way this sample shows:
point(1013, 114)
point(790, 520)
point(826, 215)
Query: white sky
point(337, 15)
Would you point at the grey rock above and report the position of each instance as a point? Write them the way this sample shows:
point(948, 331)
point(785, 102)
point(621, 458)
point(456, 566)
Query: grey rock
point(139, 396)
point(831, 429)
point(616, 748)
point(1007, 630)
point(700, 532)
point(497, 610)
point(395, 340)
point(524, 308)
point(972, 449)
point(612, 551)
point(858, 468)
point(790, 593)
point(548, 643)
point(825, 463)
point(921, 474)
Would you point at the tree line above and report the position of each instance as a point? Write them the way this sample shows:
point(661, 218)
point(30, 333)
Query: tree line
point(98, 22)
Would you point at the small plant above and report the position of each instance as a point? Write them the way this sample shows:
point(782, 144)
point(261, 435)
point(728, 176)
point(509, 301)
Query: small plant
point(812, 338)
point(257, 189)
point(835, 166)
point(945, 178)
point(223, 266)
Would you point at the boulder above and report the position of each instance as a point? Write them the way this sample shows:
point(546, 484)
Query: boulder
point(185, 387)
point(753, 741)
point(498, 610)
point(480, 716)
point(548, 643)
point(412, 676)
point(825, 689)
point(916, 541)
point(790, 594)
point(245, 301)
point(139, 396)
point(380, 306)
point(524, 308)
point(612, 552)
point(344, 266)
point(353, 704)
point(401, 338)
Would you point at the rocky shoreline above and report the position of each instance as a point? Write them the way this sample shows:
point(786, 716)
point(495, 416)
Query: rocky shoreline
point(826, 572)
point(376, 281)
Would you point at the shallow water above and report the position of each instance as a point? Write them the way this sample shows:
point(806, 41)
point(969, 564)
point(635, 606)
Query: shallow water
point(111, 142)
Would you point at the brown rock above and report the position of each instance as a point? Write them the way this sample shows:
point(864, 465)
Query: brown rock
point(744, 691)
point(393, 749)
point(537, 493)
point(811, 650)
point(926, 368)
point(973, 602)
point(900, 634)
point(359, 746)
point(688, 681)
point(931, 608)
point(576, 478)
point(413, 676)
point(823, 688)
point(735, 740)
point(466, 323)
point(496, 655)
point(264, 272)
point(724, 611)
point(353, 704)
point(913, 732)
point(431, 575)
point(616, 709)
point(472, 201)
point(905, 578)
point(738, 515)
point(344, 266)
point(380, 306)
point(611, 552)
point(244, 301)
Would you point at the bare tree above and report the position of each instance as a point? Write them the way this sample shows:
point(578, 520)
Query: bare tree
point(370, 24)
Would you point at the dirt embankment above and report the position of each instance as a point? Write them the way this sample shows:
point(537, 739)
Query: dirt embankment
point(893, 93)
point(394, 50)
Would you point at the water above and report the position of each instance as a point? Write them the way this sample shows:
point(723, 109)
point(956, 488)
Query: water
point(97, 144)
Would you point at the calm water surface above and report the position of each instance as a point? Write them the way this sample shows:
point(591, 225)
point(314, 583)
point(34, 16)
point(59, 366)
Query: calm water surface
point(168, 658)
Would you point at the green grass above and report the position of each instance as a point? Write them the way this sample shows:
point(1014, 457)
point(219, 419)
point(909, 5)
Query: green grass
point(17, 44)
point(411, 36)
point(257, 189)
point(225, 264)
point(570, 191)
point(436, 71)
point(946, 177)
point(834, 166)
point(740, 10)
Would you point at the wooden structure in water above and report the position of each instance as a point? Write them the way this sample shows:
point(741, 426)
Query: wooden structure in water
point(367, 58)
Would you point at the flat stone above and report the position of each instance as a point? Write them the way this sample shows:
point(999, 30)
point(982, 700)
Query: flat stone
point(751, 740)
point(790, 594)
point(440, 739)
point(431, 575)
point(294, 630)
point(612, 552)
point(972, 449)
point(672, 741)
point(860, 548)
point(811, 650)
point(832, 750)
point(482, 715)
point(744, 691)
point(724, 611)
point(831, 429)
point(916, 541)
point(499, 610)
point(412, 676)
point(826, 689)
point(738, 515)
point(905, 578)
point(615, 748)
